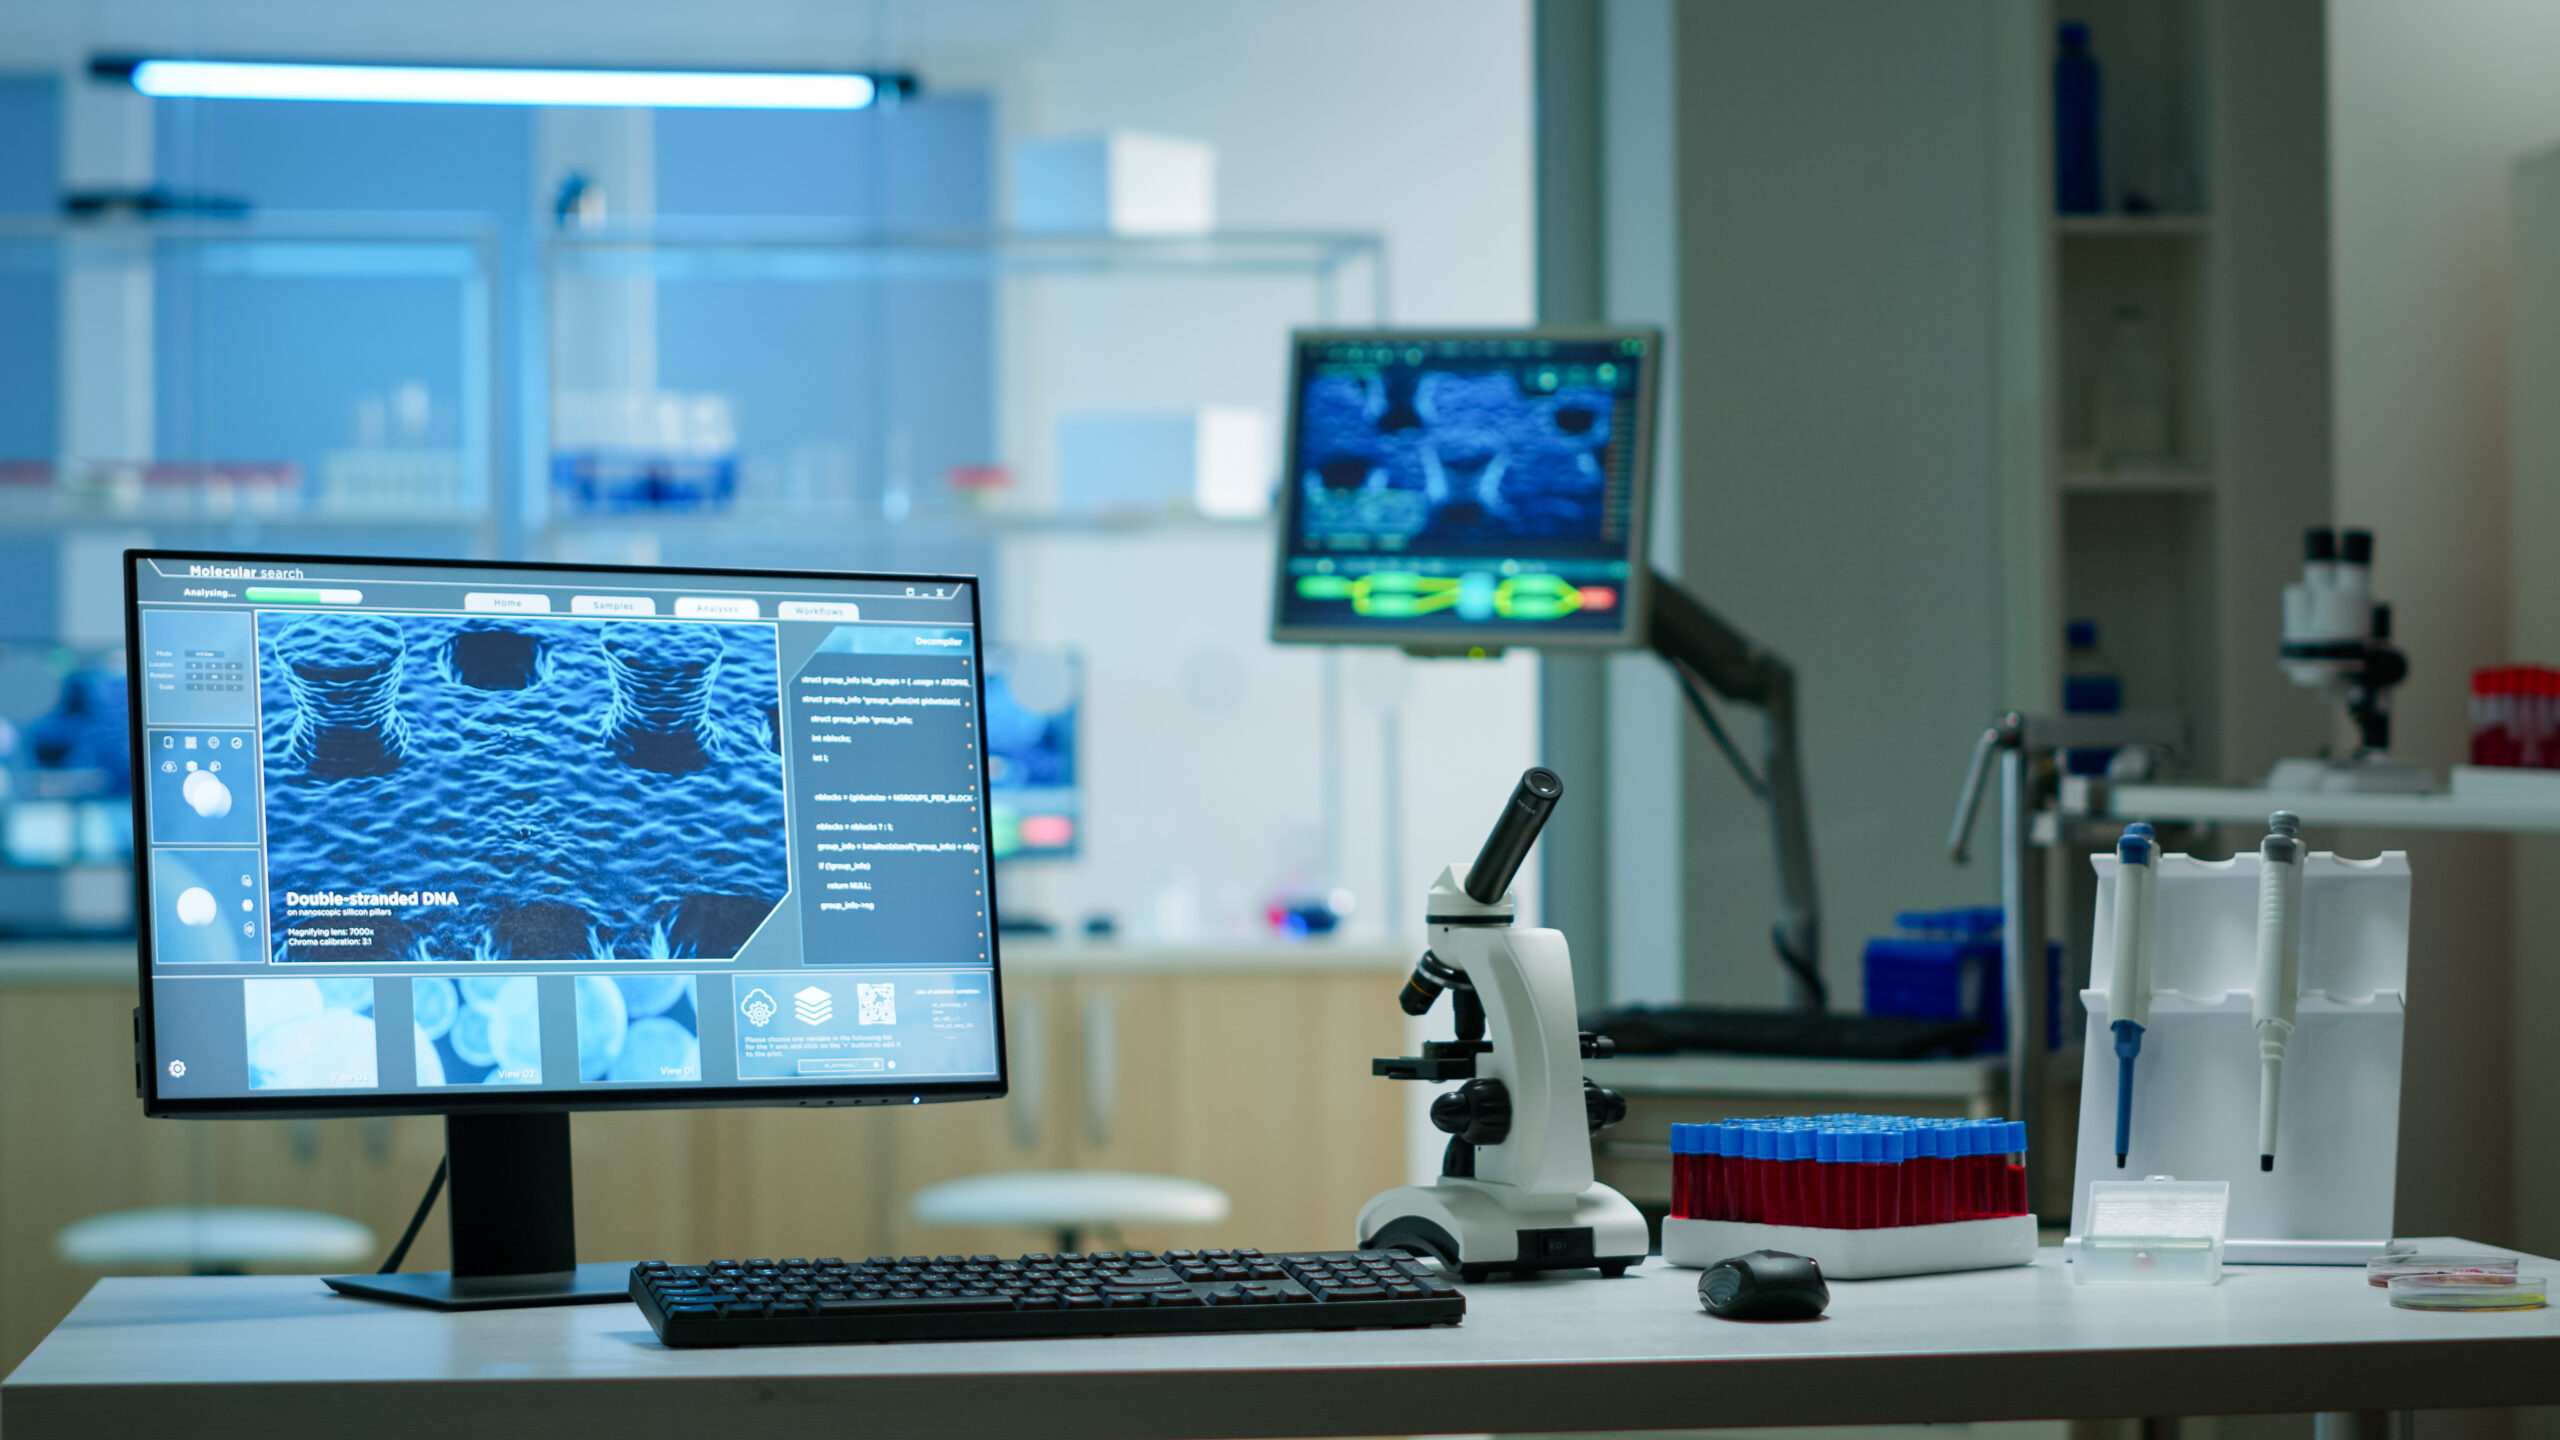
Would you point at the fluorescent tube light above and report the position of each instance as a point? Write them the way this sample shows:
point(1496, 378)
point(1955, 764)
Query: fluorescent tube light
point(503, 85)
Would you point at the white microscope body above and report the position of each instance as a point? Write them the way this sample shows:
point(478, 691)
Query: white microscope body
point(1516, 1192)
point(2337, 640)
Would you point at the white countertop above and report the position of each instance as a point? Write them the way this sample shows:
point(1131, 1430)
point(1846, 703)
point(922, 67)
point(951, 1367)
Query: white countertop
point(1956, 1080)
point(206, 1358)
point(2493, 814)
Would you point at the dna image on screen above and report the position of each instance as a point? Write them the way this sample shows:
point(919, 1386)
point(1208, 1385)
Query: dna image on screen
point(513, 789)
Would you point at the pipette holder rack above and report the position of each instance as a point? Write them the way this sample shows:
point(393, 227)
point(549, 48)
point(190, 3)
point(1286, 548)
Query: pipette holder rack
point(2195, 1097)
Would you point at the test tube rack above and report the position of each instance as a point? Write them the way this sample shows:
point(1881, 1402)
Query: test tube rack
point(1868, 1196)
point(2328, 1199)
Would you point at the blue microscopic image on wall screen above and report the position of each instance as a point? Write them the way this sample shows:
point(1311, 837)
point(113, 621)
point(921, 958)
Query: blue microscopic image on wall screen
point(638, 1030)
point(1424, 459)
point(310, 1034)
point(477, 1030)
point(464, 788)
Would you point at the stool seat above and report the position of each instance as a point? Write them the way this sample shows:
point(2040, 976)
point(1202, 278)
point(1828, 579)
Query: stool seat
point(1070, 1200)
point(213, 1238)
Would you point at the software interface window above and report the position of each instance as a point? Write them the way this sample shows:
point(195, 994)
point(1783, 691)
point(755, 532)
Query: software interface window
point(419, 827)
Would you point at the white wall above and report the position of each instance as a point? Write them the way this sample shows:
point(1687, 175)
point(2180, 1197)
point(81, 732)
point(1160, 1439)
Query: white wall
point(1853, 235)
point(1410, 120)
point(2429, 104)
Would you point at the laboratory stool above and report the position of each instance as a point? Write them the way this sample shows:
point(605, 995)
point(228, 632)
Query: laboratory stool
point(213, 1239)
point(1070, 1202)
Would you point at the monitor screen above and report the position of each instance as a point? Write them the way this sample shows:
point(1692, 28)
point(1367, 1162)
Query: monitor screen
point(1457, 491)
point(1032, 705)
point(427, 836)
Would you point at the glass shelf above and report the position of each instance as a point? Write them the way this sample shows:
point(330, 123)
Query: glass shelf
point(909, 394)
point(268, 372)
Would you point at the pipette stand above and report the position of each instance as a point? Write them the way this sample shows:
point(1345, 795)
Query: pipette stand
point(2195, 1098)
point(1524, 1200)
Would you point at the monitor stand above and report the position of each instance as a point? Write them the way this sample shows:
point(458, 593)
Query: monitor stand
point(514, 1218)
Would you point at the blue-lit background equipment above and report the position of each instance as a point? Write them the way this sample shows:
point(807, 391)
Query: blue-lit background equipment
point(1033, 702)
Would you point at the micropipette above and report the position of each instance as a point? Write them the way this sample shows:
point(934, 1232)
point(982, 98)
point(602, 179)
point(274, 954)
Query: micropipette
point(2279, 965)
point(2128, 977)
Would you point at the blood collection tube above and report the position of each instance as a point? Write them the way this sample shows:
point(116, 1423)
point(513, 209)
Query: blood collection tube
point(1782, 1168)
point(1728, 1204)
point(2017, 1143)
point(1800, 1181)
point(1680, 1171)
point(1746, 1180)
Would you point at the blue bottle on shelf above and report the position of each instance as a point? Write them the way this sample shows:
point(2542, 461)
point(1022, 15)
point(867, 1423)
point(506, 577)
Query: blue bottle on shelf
point(2076, 187)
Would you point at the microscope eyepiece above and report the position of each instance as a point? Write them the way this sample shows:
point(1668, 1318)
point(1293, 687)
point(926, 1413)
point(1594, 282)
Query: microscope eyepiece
point(1523, 816)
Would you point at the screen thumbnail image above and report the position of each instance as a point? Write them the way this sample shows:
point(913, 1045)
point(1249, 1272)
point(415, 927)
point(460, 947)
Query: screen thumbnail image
point(310, 1034)
point(477, 1029)
point(638, 1030)
point(204, 786)
point(458, 788)
point(205, 907)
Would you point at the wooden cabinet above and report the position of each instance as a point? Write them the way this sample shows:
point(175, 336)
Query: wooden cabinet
point(1246, 1069)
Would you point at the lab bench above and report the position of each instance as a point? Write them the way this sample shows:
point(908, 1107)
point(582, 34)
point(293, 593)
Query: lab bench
point(1243, 1065)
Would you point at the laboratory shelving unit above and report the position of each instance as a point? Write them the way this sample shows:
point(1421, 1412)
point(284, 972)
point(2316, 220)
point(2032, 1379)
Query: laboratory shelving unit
point(2215, 243)
point(158, 359)
point(165, 325)
point(1078, 322)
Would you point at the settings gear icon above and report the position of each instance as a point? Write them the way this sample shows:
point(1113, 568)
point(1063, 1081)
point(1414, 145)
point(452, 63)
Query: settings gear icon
point(177, 1068)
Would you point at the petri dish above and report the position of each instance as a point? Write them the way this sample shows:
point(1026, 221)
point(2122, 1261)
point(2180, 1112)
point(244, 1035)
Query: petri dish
point(2470, 1292)
point(2381, 1269)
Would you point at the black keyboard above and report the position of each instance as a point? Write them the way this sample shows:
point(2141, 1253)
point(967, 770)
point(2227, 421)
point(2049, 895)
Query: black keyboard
point(982, 1297)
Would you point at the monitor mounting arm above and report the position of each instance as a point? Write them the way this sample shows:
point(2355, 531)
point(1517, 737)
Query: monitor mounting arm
point(1702, 649)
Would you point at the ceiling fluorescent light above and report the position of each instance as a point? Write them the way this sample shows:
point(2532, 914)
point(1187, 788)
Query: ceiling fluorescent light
point(503, 85)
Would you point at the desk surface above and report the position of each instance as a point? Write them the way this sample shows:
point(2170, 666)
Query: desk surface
point(266, 1356)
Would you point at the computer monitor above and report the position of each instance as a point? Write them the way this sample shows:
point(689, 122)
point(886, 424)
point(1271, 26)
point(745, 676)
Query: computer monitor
point(1034, 699)
point(505, 841)
point(1456, 491)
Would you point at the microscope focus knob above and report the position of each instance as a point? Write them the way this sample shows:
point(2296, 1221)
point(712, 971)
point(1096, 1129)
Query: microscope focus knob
point(1602, 1106)
point(1478, 1112)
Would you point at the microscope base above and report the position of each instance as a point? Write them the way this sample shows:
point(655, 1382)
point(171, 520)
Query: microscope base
point(1467, 1227)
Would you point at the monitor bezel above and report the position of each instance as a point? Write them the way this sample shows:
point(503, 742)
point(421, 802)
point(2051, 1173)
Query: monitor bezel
point(1635, 608)
point(464, 1100)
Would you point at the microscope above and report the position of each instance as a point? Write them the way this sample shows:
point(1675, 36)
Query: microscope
point(2337, 639)
point(1515, 1191)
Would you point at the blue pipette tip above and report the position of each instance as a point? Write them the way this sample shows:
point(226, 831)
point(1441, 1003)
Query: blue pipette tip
point(2128, 1045)
point(2266, 1164)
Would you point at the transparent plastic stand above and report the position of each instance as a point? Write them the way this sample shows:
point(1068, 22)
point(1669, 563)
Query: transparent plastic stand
point(2154, 1231)
point(2195, 1098)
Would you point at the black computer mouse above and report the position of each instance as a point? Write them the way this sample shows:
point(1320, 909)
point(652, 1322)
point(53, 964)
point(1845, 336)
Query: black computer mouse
point(1764, 1285)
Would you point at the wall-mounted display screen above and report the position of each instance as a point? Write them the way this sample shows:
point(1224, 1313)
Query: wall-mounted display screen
point(1465, 490)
